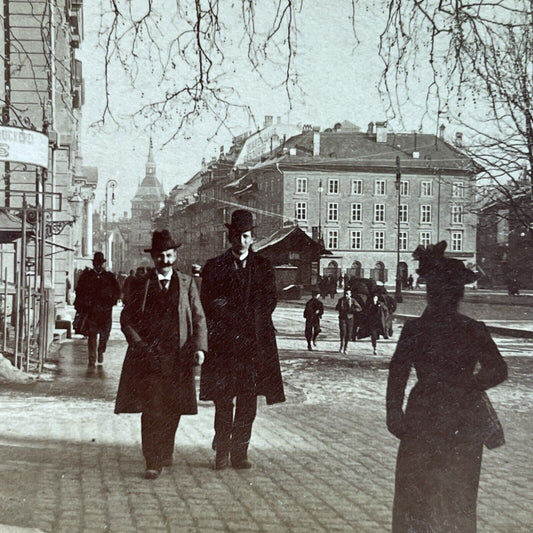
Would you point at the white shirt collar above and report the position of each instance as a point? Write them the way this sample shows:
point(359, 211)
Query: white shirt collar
point(162, 276)
point(240, 257)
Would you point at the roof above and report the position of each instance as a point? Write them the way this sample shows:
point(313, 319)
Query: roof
point(284, 233)
point(357, 149)
point(150, 189)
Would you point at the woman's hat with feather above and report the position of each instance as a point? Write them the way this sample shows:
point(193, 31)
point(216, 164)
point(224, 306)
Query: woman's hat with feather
point(434, 268)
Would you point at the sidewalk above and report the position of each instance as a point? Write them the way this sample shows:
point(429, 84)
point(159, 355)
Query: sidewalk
point(324, 459)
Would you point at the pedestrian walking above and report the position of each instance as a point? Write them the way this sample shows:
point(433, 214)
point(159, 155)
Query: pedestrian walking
point(410, 281)
point(239, 297)
point(68, 287)
point(96, 294)
point(164, 324)
point(128, 287)
point(347, 308)
point(448, 416)
point(314, 309)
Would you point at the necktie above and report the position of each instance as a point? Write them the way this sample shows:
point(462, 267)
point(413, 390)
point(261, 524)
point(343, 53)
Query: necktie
point(164, 282)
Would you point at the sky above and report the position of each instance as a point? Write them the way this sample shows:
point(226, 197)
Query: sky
point(338, 80)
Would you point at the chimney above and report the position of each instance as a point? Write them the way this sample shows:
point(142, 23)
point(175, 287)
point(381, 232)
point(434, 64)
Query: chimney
point(370, 129)
point(222, 150)
point(316, 142)
point(268, 120)
point(381, 132)
point(204, 165)
point(459, 139)
point(442, 127)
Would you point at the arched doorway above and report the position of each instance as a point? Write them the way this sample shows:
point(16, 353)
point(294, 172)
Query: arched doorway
point(379, 272)
point(332, 270)
point(403, 272)
point(356, 270)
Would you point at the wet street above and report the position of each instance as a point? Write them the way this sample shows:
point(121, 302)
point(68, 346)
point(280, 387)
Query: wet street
point(324, 459)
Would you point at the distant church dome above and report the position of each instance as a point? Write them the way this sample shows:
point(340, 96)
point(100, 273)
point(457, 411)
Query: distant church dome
point(150, 190)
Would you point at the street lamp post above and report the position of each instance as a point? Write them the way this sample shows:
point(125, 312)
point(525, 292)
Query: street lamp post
point(397, 183)
point(110, 184)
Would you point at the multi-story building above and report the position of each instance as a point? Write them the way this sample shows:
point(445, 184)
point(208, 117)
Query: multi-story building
point(342, 188)
point(145, 205)
point(41, 88)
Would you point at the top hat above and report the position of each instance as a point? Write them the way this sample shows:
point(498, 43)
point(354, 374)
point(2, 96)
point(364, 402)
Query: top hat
point(434, 268)
point(241, 221)
point(161, 241)
point(99, 258)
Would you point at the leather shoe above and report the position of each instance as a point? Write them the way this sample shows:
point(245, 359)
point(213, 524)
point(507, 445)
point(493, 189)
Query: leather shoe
point(241, 464)
point(152, 473)
point(221, 461)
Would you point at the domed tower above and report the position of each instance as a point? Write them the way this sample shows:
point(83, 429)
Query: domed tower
point(147, 202)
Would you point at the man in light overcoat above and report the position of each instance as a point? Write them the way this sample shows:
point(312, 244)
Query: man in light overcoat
point(164, 324)
point(239, 297)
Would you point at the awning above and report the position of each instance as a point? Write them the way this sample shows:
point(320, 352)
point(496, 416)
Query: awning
point(10, 226)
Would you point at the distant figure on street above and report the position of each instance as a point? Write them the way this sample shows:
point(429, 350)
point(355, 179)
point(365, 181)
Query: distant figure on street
point(164, 324)
point(314, 309)
point(347, 308)
point(96, 294)
point(128, 286)
point(448, 416)
point(332, 286)
point(68, 287)
point(239, 297)
point(417, 284)
point(196, 271)
point(410, 282)
point(513, 287)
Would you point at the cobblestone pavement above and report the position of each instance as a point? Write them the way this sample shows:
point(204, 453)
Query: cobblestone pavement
point(324, 459)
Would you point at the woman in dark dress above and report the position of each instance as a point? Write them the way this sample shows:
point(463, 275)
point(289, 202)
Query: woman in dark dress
point(446, 420)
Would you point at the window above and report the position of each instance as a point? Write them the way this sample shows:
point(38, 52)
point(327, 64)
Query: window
point(333, 212)
point(357, 213)
point(355, 240)
point(404, 213)
point(426, 188)
point(425, 214)
point(301, 210)
point(457, 214)
point(357, 186)
point(404, 188)
point(403, 241)
point(457, 241)
point(379, 188)
point(333, 239)
point(458, 189)
point(425, 238)
point(333, 186)
point(379, 213)
point(301, 185)
point(379, 240)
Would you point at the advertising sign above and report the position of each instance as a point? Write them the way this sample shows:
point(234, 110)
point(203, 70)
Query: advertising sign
point(19, 145)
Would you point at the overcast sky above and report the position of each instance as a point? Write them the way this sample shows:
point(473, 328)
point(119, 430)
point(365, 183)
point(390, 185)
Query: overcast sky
point(337, 80)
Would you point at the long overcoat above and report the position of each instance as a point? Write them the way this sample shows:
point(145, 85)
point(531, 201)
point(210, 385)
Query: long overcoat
point(169, 345)
point(237, 311)
point(443, 425)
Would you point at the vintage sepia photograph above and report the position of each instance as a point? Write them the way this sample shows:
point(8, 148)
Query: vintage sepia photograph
point(266, 266)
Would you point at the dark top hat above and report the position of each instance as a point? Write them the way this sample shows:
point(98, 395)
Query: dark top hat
point(99, 258)
point(241, 221)
point(161, 241)
point(436, 269)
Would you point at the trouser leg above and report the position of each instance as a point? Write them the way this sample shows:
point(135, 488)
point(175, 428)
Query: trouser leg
point(308, 333)
point(159, 422)
point(316, 331)
point(223, 425)
point(105, 331)
point(91, 345)
point(245, 411)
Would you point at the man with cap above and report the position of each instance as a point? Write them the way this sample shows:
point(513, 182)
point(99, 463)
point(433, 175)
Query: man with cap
point(239, 297)
point(314, 309)
point(96, 294)
point(164, 324)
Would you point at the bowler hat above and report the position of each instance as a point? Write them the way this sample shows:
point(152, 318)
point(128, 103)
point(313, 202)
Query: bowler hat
point(99, 258)
point(241, 221)
point(161, 241)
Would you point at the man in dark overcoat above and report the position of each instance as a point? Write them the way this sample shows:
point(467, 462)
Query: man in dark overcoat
point(314, 309)
point(239, 297)
point(96, 294)
point(164, 324)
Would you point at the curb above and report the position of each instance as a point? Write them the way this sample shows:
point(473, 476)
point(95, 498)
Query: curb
point(498, 330)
